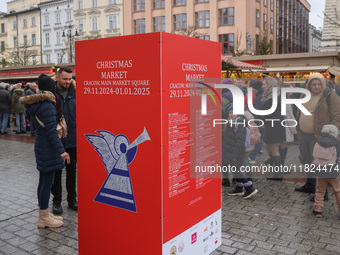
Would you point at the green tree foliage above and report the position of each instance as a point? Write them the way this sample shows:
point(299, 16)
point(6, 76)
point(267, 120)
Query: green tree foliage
point(228, 67)
point(264, 44)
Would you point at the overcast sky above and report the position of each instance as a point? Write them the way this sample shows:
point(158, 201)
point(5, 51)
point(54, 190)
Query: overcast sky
point(318, 6)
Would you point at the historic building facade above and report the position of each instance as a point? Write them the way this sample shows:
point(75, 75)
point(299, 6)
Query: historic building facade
point(57, 31)
point(292, 26)
point(98, 18)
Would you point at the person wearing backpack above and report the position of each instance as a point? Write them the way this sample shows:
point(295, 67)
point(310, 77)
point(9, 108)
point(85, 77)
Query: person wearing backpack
point(233, 143)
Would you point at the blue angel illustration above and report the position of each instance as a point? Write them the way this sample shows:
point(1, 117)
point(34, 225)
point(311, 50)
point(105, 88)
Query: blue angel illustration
point(117, 153)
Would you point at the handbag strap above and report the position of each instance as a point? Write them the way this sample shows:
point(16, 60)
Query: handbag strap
point(39, 121)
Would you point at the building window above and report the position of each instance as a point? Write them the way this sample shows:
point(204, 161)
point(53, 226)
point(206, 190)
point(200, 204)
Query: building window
point(271, 25)
point(2, 46)
point(226, 16)
point(180, 2)
point(34, 40)
point(264, 2)
point(2, 27)
point(68, 16)
point(48, 58)
point(202, 1)
point(202, 19)
point(112, 2)
point(158, 4)
point(47, 20)
point(15, 25)
point(33, 21)
point(139, 5)
point(15, 42)
point(25, 40)
point(257, 17)
point(159, 24)
point(60, 58)
point(57, 18)
point(204, 37)
point(227, 41)
point(257, 41)
point(113, 22)
point(264, 21)
point(139, 26)
point(47, 38)
point(34, 59)
point(94, 24)
point(24, 23)
point(80, 25)
point(94, 3)
point(180, 21)
point(58, 37)
point(272, 5)
point(80, 4)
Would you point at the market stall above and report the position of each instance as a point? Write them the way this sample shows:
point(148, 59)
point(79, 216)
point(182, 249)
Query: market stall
point(297, 67)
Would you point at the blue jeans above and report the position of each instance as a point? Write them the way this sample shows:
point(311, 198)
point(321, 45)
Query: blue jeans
point(46, 180)
point(20, 119)
point(3, 121)
point(258, 147)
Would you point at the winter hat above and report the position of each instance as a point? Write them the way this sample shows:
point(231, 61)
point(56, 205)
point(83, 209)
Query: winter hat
point(239, 84)
point(227, 81)
point(46, 83)
point(17, 86)
point(330, 129)
point(255, 84)
point(252, 81)
point(319, 77)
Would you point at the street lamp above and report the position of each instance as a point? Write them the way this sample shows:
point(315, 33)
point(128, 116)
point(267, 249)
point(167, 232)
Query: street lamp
point(70, 36)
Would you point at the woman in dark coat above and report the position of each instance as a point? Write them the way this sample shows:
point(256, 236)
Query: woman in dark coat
point(49, 151)
point(274, 132)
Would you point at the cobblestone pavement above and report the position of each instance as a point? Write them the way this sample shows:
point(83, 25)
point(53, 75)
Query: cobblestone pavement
point(276, 221)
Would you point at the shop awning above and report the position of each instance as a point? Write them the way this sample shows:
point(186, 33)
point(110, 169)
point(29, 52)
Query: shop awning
point(242, 65)
point(283, 69)
point(23, 77)
point(25, 72)
point(335, 70)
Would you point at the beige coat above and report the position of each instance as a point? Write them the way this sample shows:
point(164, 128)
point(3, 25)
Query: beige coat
point(324, 113)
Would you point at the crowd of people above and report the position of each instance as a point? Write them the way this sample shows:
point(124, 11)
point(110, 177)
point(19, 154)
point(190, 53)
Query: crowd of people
point(9, 104)
point(317, 135)
point(47, 105)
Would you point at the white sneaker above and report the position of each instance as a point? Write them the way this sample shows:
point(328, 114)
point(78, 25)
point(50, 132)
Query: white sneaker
point(251, 161)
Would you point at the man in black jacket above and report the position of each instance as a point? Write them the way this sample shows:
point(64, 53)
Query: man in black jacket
point(5, 107)
point(67, 94)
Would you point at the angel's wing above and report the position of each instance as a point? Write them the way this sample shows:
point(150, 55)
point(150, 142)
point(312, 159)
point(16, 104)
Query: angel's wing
point(103, 145)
